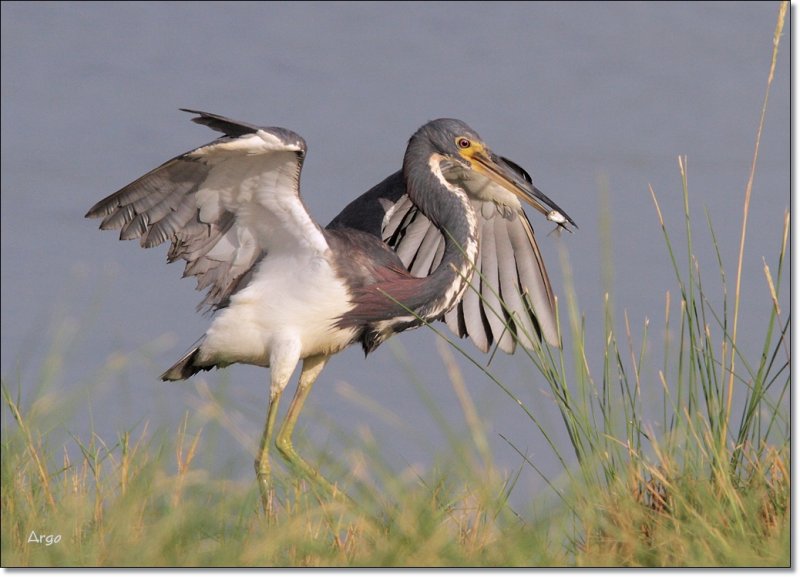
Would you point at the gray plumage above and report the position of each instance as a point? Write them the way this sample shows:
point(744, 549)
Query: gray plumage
point(445, 238)
point(161, 206)
point(509, 267)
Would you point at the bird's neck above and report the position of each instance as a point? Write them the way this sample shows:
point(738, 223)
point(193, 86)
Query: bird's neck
point(448, 207)
point(418, 300)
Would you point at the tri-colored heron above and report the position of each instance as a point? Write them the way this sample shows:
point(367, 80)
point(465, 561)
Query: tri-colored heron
point(444, 238)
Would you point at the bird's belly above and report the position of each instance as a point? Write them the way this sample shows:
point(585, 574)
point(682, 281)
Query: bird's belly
point(291, 302)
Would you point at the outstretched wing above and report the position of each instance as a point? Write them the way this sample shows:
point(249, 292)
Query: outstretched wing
point(510, 299)
point(222, 206)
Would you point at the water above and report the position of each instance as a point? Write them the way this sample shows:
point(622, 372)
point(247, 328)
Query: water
point(595, 100)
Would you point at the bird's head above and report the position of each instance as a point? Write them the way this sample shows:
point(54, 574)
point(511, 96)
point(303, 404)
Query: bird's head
point(449, 149)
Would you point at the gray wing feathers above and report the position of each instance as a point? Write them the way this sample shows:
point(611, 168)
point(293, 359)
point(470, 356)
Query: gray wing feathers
point(510, 294)
point(510, 289)
point(412, 238)
point(495, 313)
point(425, 261)
point(203, 202)
point(401, 211)
point(222, 124)
point(148, 199)
point(220, 260)
point(479, 331)
point(534, 284)
point(162, 206)
point(368, 212)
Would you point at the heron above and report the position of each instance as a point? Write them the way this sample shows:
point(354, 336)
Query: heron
point(444, 238)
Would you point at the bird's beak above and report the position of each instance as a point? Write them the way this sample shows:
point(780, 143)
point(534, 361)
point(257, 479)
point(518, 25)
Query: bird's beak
point(514, 179)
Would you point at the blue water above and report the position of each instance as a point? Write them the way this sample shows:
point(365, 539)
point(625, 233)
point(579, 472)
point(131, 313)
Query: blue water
point(595, 100)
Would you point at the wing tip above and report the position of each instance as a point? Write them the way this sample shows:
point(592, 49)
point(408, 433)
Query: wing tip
point(223, 124)
point(184, 368)
point(100, 209)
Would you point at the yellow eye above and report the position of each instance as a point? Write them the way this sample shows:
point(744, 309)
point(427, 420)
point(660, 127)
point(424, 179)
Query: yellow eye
point(463, 142)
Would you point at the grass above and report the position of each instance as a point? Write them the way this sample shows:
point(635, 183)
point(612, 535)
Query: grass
point(709, 487)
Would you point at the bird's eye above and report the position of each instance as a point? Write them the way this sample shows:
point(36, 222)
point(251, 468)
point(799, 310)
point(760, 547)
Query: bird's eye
point(463, 143)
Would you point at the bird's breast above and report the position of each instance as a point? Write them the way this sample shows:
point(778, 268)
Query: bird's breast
point(290, 298)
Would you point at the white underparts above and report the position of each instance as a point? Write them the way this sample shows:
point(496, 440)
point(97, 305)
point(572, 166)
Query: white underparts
point(287, 312)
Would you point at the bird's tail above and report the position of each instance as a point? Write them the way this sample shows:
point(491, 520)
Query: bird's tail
point(184, 368)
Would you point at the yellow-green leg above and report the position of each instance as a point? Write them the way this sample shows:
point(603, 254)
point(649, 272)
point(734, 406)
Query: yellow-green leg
point(312, 367)
point(262, 458)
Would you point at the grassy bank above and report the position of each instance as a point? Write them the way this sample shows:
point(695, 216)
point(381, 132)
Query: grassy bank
point(709, 486)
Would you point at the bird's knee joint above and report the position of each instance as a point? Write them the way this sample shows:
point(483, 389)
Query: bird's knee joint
point(284, 446)
point(261, 467)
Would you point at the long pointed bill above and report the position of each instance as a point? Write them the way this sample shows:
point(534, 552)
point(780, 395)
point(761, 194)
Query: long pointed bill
point(514, 179)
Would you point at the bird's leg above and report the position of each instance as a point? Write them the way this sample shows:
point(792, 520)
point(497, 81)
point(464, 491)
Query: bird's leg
point(283, 360)
point(312, 366)
point(262, 458)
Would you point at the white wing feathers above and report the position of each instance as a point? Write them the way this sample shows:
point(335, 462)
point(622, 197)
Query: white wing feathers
point(223, 206)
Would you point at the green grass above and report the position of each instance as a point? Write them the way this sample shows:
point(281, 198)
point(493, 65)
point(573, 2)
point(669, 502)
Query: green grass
point(709, 486)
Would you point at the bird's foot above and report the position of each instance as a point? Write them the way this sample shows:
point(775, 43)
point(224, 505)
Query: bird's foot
point(265, 489)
